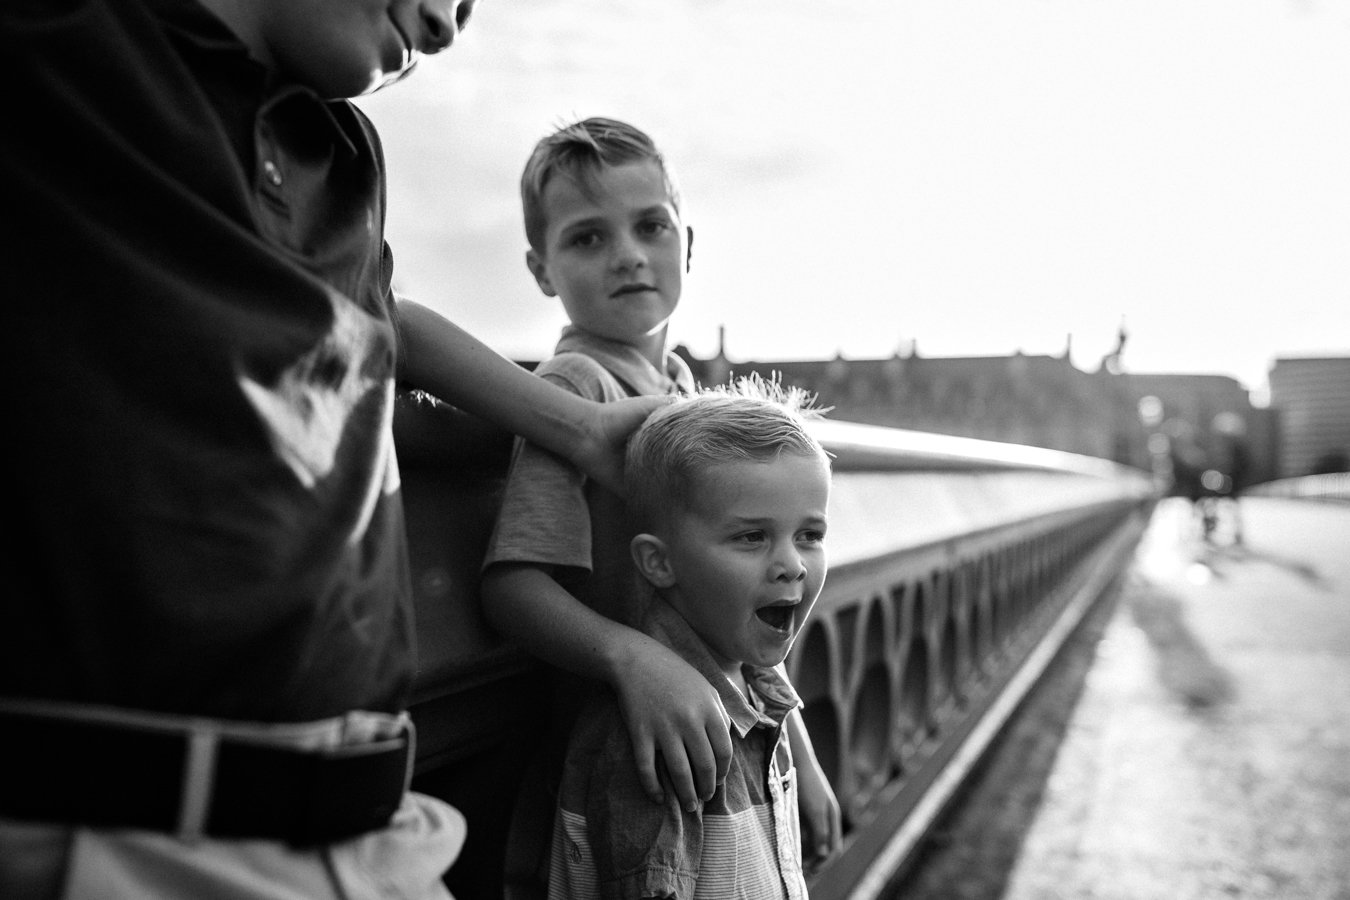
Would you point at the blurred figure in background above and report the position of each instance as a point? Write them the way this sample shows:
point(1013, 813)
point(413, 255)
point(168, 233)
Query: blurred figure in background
point(1231, 466)
point(1189, 461)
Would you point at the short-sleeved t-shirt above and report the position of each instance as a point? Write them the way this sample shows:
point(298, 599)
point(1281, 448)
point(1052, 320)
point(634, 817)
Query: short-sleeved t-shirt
point(200, 356)
point(552, 514)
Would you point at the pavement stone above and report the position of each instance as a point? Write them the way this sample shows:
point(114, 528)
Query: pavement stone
point(1209, 754)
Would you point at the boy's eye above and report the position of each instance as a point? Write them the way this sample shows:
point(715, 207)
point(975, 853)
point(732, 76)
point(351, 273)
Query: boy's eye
point(749, 537)
point(654, 226)
point(584, 239)
point(811, 535)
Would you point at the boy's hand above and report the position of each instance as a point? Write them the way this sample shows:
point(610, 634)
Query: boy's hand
point(672, 710)
point(818, 810)
point(600, 455)
point(817, 806)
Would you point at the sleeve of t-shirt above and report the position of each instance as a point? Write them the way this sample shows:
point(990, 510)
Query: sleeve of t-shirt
point(544, 518)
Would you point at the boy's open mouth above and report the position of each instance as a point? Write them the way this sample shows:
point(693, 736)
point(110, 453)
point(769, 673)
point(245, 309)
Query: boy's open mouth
point(778, 616)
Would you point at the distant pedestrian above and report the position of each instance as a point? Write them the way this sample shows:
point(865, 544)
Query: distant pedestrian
point(1233, 460)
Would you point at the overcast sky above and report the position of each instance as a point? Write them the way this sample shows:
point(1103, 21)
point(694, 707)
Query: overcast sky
point(979, 177)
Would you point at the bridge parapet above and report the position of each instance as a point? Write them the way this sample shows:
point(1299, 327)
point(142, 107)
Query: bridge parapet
point(955, 565)
point(1329, 486)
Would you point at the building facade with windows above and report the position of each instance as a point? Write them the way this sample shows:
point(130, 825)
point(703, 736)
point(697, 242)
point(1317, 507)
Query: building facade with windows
point(1312, 395)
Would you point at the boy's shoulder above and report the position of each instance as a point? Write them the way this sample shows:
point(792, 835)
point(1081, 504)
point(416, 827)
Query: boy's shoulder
point(583, 374)
point(601, 369)
point(599, 750)
point(568, 362)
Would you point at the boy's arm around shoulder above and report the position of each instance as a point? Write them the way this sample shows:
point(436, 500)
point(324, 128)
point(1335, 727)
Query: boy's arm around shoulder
point(674, 718)
point(671, 711)
point(444, 360)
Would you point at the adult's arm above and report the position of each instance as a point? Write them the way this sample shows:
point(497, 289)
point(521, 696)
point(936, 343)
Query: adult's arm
point(446, 361)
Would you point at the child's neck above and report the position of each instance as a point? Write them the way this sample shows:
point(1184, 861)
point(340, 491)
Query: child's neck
point(734, 670)
point(653, 349)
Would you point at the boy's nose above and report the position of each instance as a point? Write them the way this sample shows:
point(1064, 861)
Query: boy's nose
point(628, 255)
point(442, 21)
point(789, 566)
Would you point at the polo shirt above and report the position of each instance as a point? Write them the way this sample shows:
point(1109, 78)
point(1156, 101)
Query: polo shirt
point(611, 841)
point(200, 358)
point(551, 513)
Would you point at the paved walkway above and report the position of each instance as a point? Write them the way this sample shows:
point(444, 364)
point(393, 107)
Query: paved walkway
point(1209, 754)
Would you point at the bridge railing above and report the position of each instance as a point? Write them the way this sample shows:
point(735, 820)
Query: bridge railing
point(1330, 486)
point(957, 567)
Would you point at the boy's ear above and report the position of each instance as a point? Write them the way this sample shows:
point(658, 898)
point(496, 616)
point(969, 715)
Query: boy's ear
point(649, 555)
point(539, 269)
point(688, 247)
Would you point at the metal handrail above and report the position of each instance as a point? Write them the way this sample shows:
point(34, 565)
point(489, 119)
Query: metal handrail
point(861, 447)
point(1329, 486)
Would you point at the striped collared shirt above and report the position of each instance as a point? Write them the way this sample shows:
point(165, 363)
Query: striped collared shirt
point(611, 841)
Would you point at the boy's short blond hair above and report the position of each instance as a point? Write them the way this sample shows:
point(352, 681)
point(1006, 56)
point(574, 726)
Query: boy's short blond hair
point(750, 420)
point(577, 150)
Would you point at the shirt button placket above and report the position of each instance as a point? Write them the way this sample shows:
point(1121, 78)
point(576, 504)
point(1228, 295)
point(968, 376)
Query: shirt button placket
point(273, 209)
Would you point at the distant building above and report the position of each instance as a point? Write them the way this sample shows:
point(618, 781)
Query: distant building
point(1312, 396)
point(1041, 401)
point(1217, 411)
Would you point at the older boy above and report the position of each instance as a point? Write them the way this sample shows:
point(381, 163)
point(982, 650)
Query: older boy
point(731, 494)
point(602, 215)
point(205, 634)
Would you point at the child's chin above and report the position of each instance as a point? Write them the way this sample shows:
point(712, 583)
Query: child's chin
point(769, 660)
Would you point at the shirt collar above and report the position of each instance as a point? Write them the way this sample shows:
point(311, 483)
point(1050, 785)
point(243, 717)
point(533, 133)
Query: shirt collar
point(776, 696)
point(333, 119)
point(627, 364)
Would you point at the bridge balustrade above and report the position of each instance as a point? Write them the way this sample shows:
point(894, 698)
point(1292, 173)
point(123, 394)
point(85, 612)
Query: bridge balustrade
point(1333, 486)
point(957, 566)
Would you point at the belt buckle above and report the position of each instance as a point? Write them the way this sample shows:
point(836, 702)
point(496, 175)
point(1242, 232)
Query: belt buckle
point(355, 788)
point(404, 739)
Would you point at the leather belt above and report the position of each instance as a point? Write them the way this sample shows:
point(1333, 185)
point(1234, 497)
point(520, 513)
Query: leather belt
point(111, 775)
